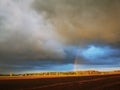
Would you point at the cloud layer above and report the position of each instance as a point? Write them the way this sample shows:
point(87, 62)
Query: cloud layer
point(53, 32)
point(26, 34)
point(83, 21)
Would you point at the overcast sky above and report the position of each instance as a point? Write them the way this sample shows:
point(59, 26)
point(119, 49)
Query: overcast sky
point(48, 35)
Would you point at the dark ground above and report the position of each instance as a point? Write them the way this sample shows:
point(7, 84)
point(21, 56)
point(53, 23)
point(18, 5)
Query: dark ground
point(106, 82)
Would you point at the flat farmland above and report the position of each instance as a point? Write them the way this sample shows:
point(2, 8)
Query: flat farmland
point(100, 82)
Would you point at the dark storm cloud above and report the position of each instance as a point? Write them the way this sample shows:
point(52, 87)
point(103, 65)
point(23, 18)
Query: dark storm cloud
point(83, 21)
point(25, 33)
point(56, 31)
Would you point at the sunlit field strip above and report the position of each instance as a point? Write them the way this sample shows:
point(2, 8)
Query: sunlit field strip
point(48, 76)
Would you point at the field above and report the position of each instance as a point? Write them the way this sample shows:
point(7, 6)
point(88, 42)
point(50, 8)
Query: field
point(102, 82)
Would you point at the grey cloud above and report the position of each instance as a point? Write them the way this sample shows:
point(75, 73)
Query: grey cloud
point(24, 34)
point(83, 21)
point(54, 30)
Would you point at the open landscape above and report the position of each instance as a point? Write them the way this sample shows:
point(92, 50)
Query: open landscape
point(61, 82)
point(59, 44)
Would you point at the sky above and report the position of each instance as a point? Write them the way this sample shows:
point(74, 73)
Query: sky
point(57, 35)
